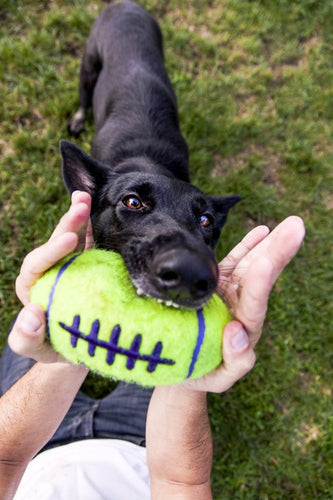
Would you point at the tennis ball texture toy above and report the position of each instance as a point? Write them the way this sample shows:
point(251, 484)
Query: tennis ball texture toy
point(95, 318)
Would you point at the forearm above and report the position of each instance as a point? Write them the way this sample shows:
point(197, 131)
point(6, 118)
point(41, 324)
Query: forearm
point(179, 444)
point(30, 413)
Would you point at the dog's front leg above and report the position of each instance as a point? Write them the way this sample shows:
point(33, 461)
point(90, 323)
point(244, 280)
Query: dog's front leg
point(90, 68)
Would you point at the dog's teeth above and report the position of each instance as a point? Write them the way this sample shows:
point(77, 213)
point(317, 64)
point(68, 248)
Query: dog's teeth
point(139, 292)
point(168, 303)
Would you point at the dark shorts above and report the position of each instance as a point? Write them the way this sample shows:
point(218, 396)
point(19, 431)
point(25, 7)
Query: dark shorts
point(120, 415)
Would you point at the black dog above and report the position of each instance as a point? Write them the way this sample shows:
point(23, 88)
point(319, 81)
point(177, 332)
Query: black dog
point(143, 205)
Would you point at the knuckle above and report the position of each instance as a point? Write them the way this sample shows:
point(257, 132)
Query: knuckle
point(250, 360)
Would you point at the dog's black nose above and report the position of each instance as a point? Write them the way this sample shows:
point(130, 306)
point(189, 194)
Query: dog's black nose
point(186, 275)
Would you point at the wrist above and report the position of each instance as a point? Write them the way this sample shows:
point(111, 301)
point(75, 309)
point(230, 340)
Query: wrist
point(163, 490)
point(179, 445)
point(182, 394)
point(65, 369)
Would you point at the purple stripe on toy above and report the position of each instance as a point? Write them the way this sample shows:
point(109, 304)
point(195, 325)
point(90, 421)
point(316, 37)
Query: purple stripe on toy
point(199, 342)
point(53, 289)
point(76, 324)
point(155, 354)
point(114, 338)
point(112, 347)
point(135, 348)
point(93, 336)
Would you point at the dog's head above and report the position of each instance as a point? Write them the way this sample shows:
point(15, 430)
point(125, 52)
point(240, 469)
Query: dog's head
point(165, 229)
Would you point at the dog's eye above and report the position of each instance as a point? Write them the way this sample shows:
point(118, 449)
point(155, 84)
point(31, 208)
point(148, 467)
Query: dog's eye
point(205, 220)
point(132, 202)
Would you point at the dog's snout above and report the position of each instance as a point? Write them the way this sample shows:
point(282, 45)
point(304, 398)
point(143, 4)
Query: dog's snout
point(175, 279)
point(183, 274)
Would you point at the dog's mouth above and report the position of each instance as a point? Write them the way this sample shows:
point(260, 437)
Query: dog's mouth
point(177, 304)
point(168, 303)
point(171, 298)
point(177, 276)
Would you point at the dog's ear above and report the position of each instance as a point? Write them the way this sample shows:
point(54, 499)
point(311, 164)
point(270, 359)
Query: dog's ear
point(79, 170)
point(221, 206)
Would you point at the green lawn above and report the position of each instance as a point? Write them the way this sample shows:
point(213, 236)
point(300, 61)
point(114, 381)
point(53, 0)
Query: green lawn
point(254, 80)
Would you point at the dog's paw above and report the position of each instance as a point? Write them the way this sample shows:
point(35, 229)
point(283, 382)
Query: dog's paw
point(76, 125)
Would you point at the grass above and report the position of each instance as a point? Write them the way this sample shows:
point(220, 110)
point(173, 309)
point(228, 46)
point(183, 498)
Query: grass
point(254, 81)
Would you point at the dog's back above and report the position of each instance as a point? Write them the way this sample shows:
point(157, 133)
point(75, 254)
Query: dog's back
point(123, 76)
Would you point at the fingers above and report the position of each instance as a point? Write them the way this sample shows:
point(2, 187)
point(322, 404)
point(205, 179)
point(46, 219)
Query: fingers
point(69, 236)
point(280, 245)
point(229, 278)
point(251, 308)
point(41, 259)
point(76, 219)
point(27, 337)
point(283, 243)
point(268, 260)
point(250, 270)
point(250, 241)
point(89, 237)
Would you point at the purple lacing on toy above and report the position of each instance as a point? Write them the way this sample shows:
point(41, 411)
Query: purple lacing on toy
point(199, 342)
point(112, 347)
point(53, 289)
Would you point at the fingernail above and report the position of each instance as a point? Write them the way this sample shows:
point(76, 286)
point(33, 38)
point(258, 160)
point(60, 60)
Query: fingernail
point(240, 340)
point(29, 322)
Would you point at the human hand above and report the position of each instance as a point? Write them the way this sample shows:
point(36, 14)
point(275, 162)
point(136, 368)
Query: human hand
point(247, 275)
point(73, 233)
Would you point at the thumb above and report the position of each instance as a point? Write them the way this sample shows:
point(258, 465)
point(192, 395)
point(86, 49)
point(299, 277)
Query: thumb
point(238, 355)
point(238, 360)
point(27, 336)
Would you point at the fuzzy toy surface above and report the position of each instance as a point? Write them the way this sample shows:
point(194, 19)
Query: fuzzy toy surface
point(95, 317)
